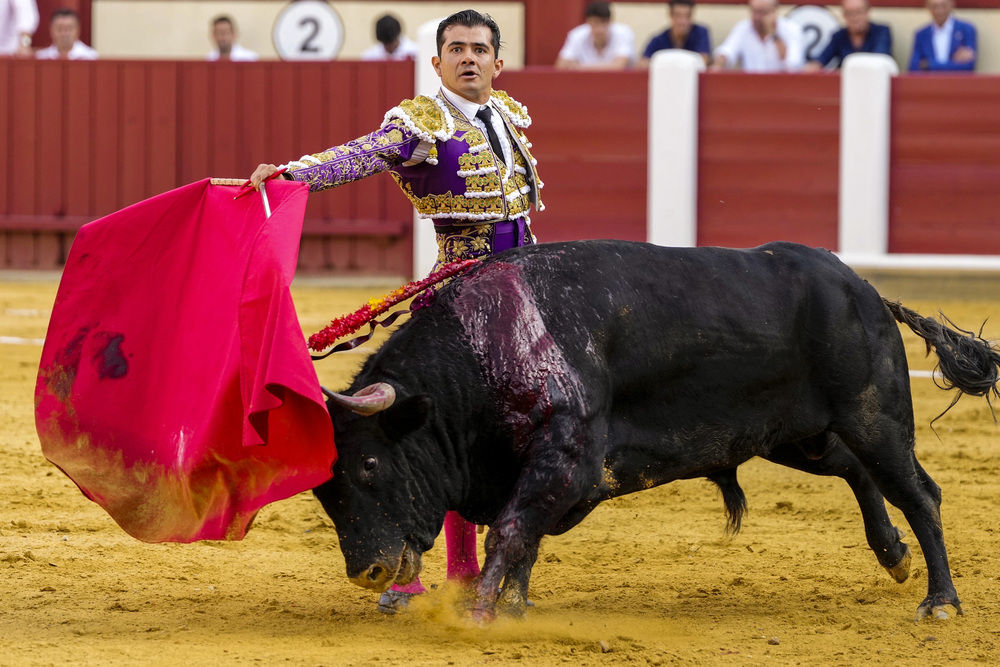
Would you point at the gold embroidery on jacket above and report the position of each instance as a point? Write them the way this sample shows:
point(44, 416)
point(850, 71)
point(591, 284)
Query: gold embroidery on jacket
point(489, 193)
point(424, 117)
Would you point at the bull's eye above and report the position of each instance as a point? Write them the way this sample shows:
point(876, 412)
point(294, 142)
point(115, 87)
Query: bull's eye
point(370, 464)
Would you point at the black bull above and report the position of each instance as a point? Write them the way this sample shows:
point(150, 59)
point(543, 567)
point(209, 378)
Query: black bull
point(550, 378)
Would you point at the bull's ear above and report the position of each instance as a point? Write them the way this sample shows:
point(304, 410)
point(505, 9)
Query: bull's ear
point(406, 416)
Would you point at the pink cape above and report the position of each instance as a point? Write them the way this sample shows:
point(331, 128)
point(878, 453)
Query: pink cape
point(175, 388)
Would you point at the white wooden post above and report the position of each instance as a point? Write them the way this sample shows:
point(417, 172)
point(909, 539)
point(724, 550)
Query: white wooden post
point(672, 172)
point(865, 101)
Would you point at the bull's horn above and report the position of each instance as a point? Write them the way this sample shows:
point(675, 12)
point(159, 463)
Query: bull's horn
point(373, 398)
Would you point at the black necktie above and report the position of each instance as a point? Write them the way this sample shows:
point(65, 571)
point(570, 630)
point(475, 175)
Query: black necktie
point(486, 115)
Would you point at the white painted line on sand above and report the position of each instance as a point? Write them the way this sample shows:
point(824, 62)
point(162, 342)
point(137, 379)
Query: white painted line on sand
point(26, 312)
point(17, 340)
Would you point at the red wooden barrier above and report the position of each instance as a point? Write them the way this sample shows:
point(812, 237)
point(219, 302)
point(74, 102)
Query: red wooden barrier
point(589, 136)
point(86, 139)
point(945, 165)
point(768, 159)
point(81, 140)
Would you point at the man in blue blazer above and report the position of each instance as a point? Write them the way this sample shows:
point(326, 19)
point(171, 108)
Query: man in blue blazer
point(946, 45)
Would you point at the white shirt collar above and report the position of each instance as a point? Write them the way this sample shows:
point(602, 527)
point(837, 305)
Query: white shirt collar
point(947, 27)
point(467, 107)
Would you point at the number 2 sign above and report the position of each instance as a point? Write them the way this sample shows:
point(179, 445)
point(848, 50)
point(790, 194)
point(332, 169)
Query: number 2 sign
point(818, 25)
point(308, 30)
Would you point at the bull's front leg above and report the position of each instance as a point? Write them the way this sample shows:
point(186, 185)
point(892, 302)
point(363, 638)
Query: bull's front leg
point(554, 479)
point(513, 598)
point(511, 550)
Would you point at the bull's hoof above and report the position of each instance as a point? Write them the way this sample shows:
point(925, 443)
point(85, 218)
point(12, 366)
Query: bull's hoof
point(933, 607)
point(512, 603)
point(482, 614)
point(901, 570)
point(514, 608)
point(392, 601)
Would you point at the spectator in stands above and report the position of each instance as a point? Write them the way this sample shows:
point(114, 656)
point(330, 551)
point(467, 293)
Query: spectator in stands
point(598, 43)
point(683, 33)
point(765, 42)
point(392, 43)
point(18, 22)
point(66, 45)
point(858, 36)
point(226, 48)
point(946, 44)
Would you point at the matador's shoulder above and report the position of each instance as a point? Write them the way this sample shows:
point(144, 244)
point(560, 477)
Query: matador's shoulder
point(426, 117)
point(516, 112)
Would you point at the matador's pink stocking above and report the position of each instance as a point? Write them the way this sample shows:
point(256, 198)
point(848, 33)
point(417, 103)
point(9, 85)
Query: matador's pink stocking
point(414, 587)
point(460, 538)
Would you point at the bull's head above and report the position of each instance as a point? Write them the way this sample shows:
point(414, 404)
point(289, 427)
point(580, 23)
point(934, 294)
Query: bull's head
point(385, 495)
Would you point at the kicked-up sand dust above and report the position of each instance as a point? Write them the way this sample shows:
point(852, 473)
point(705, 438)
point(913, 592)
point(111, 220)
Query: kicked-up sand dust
point(646, 579)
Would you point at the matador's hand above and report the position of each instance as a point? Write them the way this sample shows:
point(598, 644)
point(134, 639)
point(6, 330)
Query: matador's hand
point(261, 174)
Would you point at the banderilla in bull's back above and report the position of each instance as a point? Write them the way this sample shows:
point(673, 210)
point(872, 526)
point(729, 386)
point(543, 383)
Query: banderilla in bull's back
point(550, 378)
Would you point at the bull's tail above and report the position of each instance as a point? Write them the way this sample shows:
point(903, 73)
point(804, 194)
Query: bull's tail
point(966, 361)
point(732, 497)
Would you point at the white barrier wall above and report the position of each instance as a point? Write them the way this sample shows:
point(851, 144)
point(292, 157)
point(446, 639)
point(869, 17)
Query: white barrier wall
point(179, 29)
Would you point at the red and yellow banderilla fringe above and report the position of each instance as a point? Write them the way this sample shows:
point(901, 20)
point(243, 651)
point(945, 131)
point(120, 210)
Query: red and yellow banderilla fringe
point(348, 324)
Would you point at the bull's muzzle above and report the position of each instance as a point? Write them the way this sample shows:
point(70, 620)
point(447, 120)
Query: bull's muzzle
point(384, 573)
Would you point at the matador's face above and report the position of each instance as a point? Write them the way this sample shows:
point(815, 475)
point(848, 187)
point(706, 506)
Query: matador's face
point(468, 65)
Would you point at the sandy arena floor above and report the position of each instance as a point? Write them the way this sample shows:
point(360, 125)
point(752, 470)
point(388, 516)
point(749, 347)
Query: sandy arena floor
point(646, 579)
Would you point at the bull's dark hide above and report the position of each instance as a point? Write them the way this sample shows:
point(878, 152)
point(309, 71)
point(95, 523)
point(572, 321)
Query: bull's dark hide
point(551, 378)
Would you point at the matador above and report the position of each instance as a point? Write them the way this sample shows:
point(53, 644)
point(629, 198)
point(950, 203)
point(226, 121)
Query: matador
point(463, 160)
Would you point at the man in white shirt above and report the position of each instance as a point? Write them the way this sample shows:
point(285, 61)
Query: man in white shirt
point(18, 22)
point(598, 43)
point(224, 36)
point(392, 43)
point(765, 42)
point(66, 45)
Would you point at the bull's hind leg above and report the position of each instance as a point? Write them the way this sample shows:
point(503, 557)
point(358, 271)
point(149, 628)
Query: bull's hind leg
point(826, 455)
point(886, 449)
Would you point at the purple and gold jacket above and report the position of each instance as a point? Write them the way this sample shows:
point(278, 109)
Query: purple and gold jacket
point(441, 160)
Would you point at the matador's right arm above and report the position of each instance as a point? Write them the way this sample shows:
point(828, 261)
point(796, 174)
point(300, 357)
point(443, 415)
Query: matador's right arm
point(365, 156)
point(407, 137)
